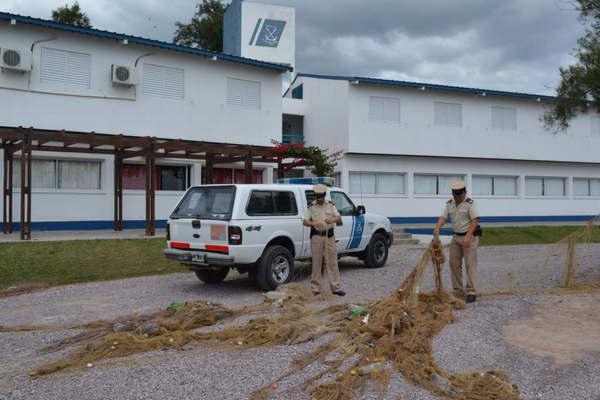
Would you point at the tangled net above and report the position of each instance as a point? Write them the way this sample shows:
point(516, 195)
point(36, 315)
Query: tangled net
point(364, 342)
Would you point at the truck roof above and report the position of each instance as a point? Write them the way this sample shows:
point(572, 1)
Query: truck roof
point(268, 186)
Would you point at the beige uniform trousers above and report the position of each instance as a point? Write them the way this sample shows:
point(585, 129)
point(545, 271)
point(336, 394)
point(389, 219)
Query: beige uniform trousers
point(458, 251)
point(324, 247)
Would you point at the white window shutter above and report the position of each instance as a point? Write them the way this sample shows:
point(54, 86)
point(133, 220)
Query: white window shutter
point(65, 68)
point(595, 125)
point(384, 109)
point(504, 118)
point(164, 82)
point(447, 114)
point(242, 93)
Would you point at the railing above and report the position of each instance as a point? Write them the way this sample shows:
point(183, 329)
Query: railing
point(291, 138)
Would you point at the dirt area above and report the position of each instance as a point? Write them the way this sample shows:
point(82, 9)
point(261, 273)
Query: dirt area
point(566, 328)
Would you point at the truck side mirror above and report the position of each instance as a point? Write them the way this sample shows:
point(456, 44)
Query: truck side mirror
point(361, 210)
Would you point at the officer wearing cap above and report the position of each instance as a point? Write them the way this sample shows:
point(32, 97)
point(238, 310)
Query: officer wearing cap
point(321, 217)
point(464, 215)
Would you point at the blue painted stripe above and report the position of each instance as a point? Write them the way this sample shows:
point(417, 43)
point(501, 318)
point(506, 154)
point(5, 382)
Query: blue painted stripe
point(139, 224)
point(86, 225)
point(358, 231)
point(520, 218)
point(351, 232)
point(255, 31)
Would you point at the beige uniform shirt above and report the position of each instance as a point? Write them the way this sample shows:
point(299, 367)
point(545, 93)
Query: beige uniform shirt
point(319, 212)
point(462, 215)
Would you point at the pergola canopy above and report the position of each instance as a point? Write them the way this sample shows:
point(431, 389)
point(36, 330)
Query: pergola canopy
point(26, 140)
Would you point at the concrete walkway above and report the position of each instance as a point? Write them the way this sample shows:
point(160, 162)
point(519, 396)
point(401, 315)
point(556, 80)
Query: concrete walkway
point(50, 236)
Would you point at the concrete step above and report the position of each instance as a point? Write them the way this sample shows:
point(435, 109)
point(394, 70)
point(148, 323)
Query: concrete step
point(405, 241)
point(402, 235)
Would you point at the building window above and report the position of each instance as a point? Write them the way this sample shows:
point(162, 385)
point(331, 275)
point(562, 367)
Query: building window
point(586, 187)
point(65, 68)
point(163, 82)
point(61, 174)
point(79, 174)
point(377, 183)
point(447, 114)
point(595, 125)
point(298, 92)
point(241, 93)
point(555, 187)
point(167, 177)
point(494, 185)
point(434, 185)
point(384, 109)
point(504, 118)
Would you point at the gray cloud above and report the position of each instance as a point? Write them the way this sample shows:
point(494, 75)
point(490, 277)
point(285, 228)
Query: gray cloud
point(509, 44)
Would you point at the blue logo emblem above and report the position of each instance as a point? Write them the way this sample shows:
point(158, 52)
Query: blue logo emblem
point(270, 33)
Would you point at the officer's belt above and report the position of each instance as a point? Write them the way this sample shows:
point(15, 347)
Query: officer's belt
point(328, 232)
point(476, 232)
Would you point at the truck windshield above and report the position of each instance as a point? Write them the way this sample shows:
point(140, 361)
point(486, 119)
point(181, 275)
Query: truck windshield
point(210, 202)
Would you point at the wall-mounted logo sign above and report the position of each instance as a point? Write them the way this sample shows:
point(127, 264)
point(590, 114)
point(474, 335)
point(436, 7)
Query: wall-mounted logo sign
point(270, 33)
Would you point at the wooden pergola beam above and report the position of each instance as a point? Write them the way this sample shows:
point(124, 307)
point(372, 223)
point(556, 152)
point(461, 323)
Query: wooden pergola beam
point(27, 140)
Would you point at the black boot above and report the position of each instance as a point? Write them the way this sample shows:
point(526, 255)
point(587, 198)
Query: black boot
point(471, 298)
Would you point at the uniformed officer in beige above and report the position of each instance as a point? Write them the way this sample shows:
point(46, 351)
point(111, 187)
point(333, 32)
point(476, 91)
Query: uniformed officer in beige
point(322, 217)
point(464, 215)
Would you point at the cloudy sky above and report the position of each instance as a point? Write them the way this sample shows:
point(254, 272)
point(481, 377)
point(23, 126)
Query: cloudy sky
point(508, 44)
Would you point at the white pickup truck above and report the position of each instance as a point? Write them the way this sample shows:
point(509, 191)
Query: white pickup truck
point(257, 229)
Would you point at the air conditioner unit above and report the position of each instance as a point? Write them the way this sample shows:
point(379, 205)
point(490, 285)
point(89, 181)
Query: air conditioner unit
point(121, 75)
point(15, 60)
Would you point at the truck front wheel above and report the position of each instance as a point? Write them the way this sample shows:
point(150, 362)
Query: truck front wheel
point(275, 267)
point(376, 253)
point(213, 275)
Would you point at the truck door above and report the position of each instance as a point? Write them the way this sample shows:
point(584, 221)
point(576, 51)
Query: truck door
point(349, 234)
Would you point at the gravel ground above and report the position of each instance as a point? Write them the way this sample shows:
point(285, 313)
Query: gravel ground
point(475, 341)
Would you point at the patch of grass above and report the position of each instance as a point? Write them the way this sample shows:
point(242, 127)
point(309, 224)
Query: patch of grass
point(59, 263)
point(511, 235)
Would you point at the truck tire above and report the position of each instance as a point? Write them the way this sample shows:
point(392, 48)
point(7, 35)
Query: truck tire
point(376, 253)
point(212, 276)
point(275, 267)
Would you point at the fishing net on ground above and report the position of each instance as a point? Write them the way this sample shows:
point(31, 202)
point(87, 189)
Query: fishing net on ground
point(361, 343)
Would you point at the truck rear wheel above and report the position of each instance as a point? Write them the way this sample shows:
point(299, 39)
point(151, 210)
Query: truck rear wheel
point(275, 267)
point(376, 253)
point(213, 275)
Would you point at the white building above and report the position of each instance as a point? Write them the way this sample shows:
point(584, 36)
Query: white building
point(405, 142)
point(61, 77)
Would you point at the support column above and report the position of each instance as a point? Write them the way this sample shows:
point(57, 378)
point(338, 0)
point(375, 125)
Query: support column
point(7, 189)
point(26, 187)
point(248, 168)
point(118, 185)
point(150, 190)
point(208, 169)
point(280, 174)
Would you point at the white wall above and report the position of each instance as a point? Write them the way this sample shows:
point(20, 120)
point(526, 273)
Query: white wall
point(416, 134)
point(410, 205)
point(325, 113)
point(103, 108)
